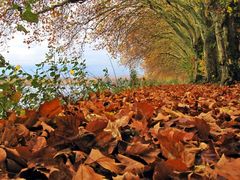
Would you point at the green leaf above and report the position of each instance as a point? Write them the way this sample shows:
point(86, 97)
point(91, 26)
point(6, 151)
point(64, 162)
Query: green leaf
point(52, 74)
point(21, 28)
point(15, 6)
point(29, 16)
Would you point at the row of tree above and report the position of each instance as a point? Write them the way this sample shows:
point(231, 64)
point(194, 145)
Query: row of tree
point(198, 38)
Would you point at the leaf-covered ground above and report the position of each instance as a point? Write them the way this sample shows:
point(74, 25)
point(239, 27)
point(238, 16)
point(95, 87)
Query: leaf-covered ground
point(176, 132)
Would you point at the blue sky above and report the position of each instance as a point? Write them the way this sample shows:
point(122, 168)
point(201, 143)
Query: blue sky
point(18, 53)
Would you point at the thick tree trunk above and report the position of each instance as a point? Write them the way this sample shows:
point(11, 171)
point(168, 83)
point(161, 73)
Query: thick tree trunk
point(222, 53)
point(210, 56)
point(227, 48)
point(233, 45)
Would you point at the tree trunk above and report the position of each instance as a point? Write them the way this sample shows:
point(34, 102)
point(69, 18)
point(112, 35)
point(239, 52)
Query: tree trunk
point(221, 51)
point(210, 56)
point(233, 45)
point(195, 70)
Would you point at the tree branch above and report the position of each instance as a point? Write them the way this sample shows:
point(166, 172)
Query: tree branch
point(65, 2)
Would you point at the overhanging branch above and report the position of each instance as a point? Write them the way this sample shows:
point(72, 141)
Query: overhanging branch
point(50, 8)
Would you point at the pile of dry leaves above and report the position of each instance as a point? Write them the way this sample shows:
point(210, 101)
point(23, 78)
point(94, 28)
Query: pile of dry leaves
point(176, 132)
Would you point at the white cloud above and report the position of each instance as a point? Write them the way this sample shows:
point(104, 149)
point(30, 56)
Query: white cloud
point(18, 53)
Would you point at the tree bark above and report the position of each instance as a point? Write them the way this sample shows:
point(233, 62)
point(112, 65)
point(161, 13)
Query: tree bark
point(233, 45)
point(210, 56)
point(221, 51)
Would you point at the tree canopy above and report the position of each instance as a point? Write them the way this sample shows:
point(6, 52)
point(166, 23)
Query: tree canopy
point(194, 38)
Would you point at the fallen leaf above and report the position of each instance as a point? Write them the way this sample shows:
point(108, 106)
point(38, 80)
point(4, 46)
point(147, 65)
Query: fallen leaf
point(171, 139)
point(161, 171)
point(228, 168)
point(131, 165)
point(21, 130)
point(113, 128)
point(96, 126)
point(161, 116)
point(51, 108)
point(41, 143)
point(85, 172)
point(106, 162)
point(3, 155)
point(176, 165)
point(145, 109)
point(202, 127)
point(137, 148)
point(127, 176)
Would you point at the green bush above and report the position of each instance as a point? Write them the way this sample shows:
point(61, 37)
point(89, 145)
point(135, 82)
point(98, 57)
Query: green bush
point(56, 77)
point(64, 78)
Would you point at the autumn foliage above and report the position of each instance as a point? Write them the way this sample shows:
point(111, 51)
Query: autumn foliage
point(180, 132)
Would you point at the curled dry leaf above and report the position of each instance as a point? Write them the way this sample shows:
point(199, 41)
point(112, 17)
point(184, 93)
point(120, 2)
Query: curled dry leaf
point(106, 162)
point(140, 126)
point(161, 116)
point(137, 148)
point(144, 151)
point(51, 108)
point(96, 126)
point(46, 127)
point(170, 140)
point(127, 176)
point(228, 168)
point(2, 123)
point(202, 127)
point(113, 128)
point(12, 117)
point(161, 171)
point(41, 143)
point(131, 165)
point(3, 155)
point(145, 109)
point(21, 130)
point(176, 165)
point(85, 172)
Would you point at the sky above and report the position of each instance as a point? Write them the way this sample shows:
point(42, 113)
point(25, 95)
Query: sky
point(18, 53)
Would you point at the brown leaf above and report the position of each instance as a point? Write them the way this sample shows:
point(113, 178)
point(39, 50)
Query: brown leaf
point(96, 126)
point(104, 138)
point(127, 176)
point(161, 116)
point(85, 172)
point(3, 155)
point(46, 127)
point(176, 165)
point(51, 108)
point(131, 165)
point(145, 109)
point(12, 117)
point(151, 155)
point(140, 126)
point(21, 130)
point(106, 162)
point(41, 143)
point(170, 140)
point(161, 171)
point(228, 168)
point(113, 128)
point(202, 127)
point(25, 152)
point(2, 123)
point(137, 148)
